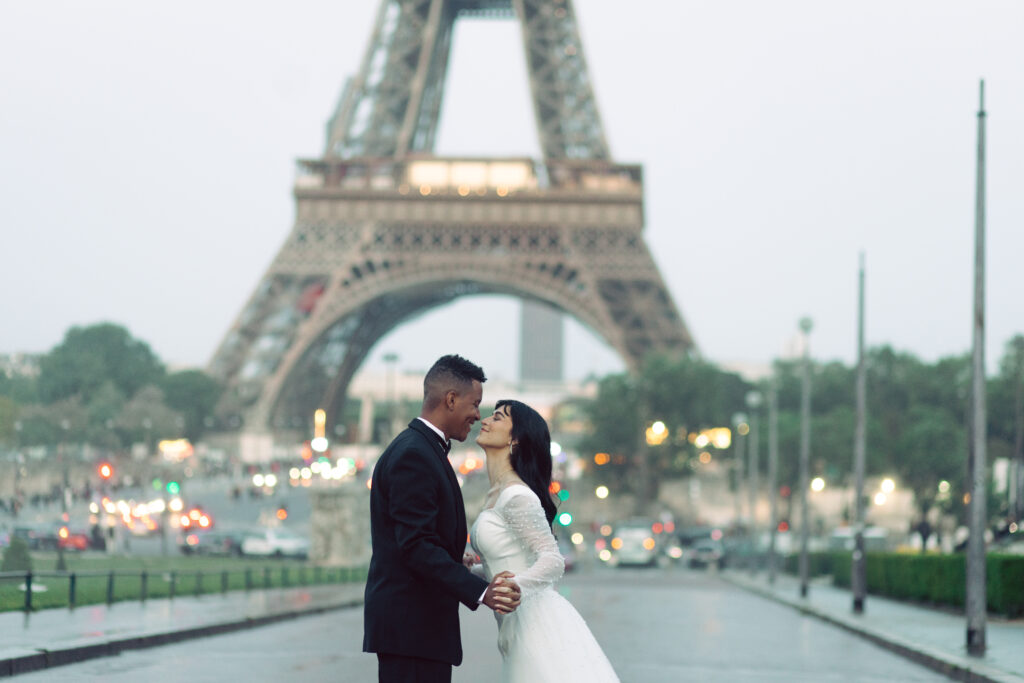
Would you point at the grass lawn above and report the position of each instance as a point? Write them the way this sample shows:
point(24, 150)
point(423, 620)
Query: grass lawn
point(159, 577)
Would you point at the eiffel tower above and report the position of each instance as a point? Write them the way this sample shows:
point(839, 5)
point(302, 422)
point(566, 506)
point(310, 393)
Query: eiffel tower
point(386, 230)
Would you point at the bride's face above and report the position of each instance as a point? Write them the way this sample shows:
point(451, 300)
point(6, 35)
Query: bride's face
point(496, 430)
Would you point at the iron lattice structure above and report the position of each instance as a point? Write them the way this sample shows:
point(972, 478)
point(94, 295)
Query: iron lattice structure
point(385, 230)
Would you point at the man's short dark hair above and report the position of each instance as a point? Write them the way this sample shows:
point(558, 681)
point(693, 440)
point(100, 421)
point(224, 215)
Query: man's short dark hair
point(450, 372)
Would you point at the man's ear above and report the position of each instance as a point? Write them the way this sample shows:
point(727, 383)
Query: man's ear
point(450, 397)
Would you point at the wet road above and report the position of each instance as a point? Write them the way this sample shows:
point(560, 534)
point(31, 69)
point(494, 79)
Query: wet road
point(656, 626)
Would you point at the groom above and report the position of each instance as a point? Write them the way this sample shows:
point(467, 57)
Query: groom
point(418, 530)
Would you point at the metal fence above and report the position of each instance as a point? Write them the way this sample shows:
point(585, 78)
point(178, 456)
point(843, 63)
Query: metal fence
point(95, 587)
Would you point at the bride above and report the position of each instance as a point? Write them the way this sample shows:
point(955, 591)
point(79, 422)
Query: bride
point(545, 639)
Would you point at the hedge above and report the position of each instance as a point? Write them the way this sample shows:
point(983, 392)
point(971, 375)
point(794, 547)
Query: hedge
point(938, 579)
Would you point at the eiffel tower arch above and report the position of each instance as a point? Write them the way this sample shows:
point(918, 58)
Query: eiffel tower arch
point(386, 230)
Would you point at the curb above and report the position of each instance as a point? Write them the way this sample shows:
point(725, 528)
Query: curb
point(46, 659)
point(956, 668)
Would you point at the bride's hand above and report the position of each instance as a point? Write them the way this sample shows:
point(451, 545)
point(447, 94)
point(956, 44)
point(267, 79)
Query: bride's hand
point(469, 559)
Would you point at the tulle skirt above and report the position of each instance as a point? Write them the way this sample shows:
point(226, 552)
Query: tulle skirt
point(546, 639)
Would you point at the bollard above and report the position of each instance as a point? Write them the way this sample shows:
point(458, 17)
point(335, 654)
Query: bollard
point(224, 581)
point(110, 587)
point(144, 578)
point(28, 591)
point(174, 580)
point(248, 579)
point(72, 586)
point(199, 583)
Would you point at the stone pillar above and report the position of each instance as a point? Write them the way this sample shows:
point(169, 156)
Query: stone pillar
point(340, 525)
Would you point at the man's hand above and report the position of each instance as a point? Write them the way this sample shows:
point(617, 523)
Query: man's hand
point(503, 594)
point(469, 559)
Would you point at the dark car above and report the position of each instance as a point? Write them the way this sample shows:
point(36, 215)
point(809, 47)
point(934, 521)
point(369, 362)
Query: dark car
point(707, 553)
point(38, 536)
point(220, 542)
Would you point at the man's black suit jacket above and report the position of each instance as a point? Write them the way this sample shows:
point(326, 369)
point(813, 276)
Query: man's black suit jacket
point(418, 529)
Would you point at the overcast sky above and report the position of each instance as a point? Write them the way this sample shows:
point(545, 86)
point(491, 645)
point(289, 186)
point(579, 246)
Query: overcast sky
point(147, 149)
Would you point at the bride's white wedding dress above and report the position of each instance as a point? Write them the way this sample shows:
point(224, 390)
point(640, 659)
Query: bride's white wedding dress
point(544, 639)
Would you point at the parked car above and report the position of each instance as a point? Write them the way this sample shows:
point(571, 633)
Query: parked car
point(708, 552)
point(276, 542)
point(221, 542)
point(37, 536)
point(70, 539)
point(568, 551)
point(633, 543)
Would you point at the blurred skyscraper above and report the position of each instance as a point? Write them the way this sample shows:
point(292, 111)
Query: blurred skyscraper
point(541, 332)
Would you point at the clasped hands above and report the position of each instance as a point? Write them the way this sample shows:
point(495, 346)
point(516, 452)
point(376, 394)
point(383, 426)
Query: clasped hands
point(502, 594)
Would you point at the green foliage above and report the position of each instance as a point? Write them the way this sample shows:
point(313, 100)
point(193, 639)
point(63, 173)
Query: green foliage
point(8, 415)
point(194, 394)
point(16, 557)
point(939, 579)
point(88, 357)
point(687, 393)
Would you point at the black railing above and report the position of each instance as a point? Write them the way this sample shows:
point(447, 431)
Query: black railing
point(142, 584)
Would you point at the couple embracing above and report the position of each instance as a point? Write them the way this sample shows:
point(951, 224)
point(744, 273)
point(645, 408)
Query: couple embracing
point(419, 572)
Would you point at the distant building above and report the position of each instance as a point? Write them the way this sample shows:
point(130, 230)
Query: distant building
point(20, 364)
point(541, 333)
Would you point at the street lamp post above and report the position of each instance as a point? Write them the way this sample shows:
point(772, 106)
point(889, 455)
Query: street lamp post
point(391, 358)
point(773, 476)
point(65, 425)
point(859, 568)
point(740, 429)
point(805, 449)
point(16, 500)
point(977, 480)
point(754, 403)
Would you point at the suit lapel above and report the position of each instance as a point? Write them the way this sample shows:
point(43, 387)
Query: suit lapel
point(453, 483)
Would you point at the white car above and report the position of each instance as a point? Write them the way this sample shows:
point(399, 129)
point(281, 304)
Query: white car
point(275, 543)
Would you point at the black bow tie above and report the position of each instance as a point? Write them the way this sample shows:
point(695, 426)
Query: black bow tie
point(446, 446)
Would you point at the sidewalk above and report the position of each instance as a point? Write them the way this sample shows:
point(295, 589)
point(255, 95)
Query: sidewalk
point(933, 638)
point(30, 642)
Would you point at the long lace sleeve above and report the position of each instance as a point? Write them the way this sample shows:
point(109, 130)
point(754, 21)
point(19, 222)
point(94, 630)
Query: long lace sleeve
point(525, 518)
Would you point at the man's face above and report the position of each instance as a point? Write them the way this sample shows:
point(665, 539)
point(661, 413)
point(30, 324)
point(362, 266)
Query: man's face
point(466, 411)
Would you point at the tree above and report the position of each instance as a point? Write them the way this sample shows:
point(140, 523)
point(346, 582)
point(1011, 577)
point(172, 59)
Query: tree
point(8, 416)
point(1006, 415)
point(194, 394)
point(146, 418)
point(89, 357)
point(685, 393)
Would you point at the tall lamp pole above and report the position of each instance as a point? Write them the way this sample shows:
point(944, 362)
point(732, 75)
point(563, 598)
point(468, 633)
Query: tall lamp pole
point(805, 449)
point(976, 579)
point(754, 403)
point(773, 475)
point(740, 429)
point(859, 568)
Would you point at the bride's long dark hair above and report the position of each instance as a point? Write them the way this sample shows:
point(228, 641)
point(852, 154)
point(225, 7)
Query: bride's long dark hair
point(531, 453)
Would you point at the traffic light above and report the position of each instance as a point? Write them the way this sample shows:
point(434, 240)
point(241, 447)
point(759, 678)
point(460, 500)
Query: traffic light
point(282, 513)
point(173, 488)
point(565, 519)
point(106, 471)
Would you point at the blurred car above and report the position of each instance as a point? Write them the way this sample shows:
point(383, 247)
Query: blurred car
point(633, 543)
point(707, 552)
point(69, 539)
point(276, 542)
point(1010, 544)
point(212, 542)
point(568, 551)
point(196, 519)
point(38, 536)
